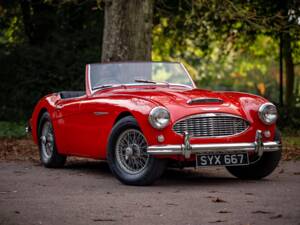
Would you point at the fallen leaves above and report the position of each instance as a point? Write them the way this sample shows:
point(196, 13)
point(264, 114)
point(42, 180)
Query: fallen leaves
point(261, 212)
point(210, 197)
point(7, 192)
point(218, 200)
point(290, 151)
point(218, 221)
point(104, 220)
point(267, 212)
point(172, 204)
point(18, 150)
point(276, 216)
point(224, 211)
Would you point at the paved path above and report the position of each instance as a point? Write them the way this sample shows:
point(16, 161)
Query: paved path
point(86, 193)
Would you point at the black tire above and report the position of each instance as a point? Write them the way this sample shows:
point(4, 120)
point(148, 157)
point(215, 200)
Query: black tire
point(53, 159)
point(260, 169)
point(152, 170)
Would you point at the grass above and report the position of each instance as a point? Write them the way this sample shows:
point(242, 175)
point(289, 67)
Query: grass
point(291, 137)
point(291, 145)
point(12, 129)
point(292, 141)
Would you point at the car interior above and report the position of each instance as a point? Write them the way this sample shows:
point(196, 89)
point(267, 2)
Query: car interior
point(71, 94)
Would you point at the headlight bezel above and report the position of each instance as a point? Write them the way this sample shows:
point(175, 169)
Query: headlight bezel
point(262, 111)
point(153, 120)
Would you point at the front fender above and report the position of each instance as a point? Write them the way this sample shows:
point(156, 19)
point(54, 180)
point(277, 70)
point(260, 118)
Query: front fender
point(47, 103)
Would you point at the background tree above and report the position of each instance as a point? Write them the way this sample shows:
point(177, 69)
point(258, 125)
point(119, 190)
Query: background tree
point(127, 30)
point(226, 45)
point(233, 26)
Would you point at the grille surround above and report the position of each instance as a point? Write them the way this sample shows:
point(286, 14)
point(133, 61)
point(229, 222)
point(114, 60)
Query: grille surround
point(210, 125)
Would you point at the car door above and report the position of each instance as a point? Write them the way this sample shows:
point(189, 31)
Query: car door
point(96, 119)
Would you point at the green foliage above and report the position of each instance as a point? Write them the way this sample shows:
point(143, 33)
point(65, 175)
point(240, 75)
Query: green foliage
point(49, 58)
point(12, 130)
point(229, 45)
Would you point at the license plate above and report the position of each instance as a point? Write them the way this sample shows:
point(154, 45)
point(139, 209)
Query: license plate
point(222, 159)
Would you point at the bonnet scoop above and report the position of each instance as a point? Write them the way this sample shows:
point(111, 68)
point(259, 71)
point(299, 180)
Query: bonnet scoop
point(204, 100)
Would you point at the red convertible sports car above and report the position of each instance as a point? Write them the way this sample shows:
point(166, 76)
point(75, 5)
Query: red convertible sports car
point(144, 116)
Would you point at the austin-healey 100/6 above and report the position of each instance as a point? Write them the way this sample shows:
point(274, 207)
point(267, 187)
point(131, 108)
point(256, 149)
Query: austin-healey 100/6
point(144, 116)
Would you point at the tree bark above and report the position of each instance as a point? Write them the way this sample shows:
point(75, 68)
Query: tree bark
point(127, 30)
point(38, 20)
point(289, 68)
point(27, 21)
point(280, 71)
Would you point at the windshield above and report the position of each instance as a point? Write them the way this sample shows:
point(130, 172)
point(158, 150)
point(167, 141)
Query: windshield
point(138, 73)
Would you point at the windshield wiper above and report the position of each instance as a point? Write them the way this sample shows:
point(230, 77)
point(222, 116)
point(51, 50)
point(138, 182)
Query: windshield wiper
point(152, 82)
point(145, 81)
point(103, 86)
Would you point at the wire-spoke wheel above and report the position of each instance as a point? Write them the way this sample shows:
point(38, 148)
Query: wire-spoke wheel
point(131, 150)
point(48, 151)
point(47, 140)
point(127, 155)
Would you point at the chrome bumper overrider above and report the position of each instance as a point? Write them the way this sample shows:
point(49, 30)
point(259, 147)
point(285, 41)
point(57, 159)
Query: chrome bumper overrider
point(187, 149)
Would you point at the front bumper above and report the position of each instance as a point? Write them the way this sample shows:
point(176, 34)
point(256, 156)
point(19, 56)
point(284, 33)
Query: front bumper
point(186, 149)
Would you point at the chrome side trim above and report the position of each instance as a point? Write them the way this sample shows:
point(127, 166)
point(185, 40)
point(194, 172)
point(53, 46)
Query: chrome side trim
point(187, 149)
point(100, 113)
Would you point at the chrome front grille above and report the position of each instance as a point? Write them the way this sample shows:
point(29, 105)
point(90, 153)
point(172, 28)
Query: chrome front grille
point(211, 125)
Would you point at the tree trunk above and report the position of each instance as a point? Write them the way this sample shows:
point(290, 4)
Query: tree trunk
point(27, 21)
point(127, 30)
point(280, 71)
point(38, 20)
point(289, 68)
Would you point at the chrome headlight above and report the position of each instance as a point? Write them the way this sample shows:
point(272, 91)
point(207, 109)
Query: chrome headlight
point(159, 117)
point(267, 113)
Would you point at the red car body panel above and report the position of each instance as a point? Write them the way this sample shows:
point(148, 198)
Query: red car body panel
point(82, 125)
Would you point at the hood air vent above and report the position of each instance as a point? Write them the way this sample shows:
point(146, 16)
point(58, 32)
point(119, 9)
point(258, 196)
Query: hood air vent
point(204, 101)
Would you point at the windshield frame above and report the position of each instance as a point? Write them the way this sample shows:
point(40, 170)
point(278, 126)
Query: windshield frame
point(92, 91)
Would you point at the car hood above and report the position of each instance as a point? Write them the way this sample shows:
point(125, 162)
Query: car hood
point(182, 102)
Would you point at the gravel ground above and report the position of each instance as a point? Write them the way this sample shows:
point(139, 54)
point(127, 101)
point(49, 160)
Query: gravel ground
point(85, 192)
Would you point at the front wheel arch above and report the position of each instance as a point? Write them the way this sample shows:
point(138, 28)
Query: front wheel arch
point(41, 113)
point(122, 115)
point(155, 167)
